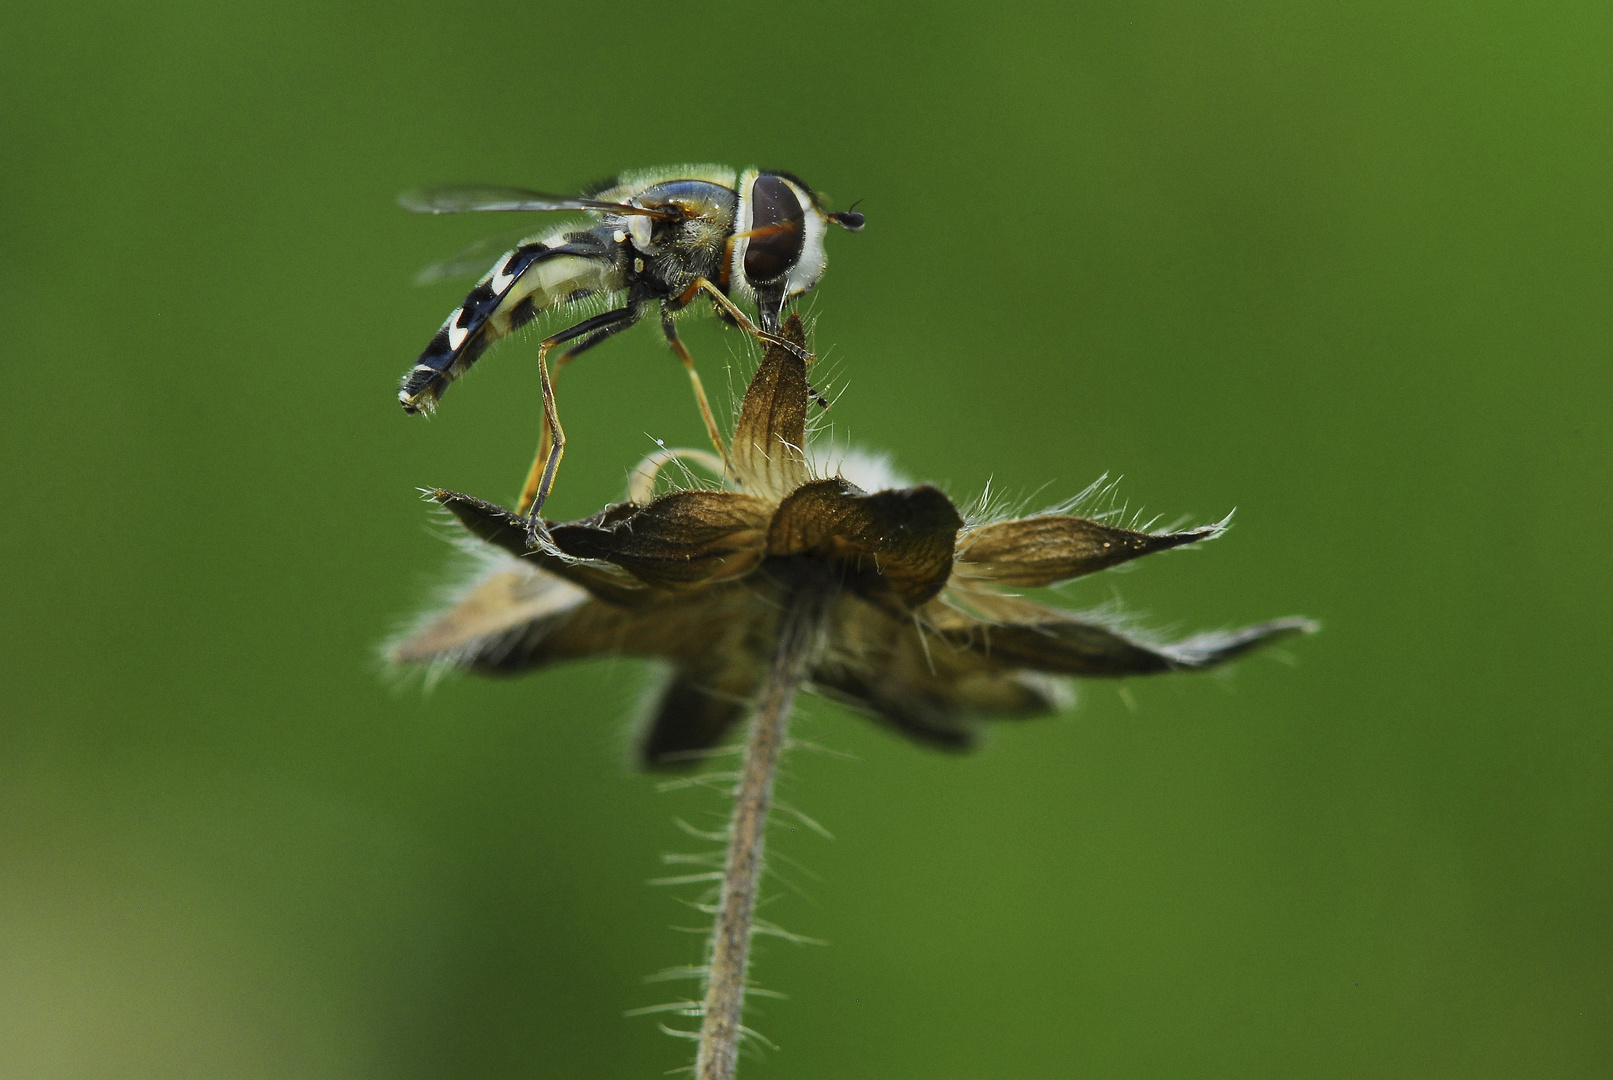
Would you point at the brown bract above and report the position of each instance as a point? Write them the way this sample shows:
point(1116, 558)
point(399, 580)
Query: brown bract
point(919, 634)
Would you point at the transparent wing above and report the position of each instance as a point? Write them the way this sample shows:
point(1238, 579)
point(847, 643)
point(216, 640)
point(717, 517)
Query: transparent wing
point(475, 198)
point(472, 261)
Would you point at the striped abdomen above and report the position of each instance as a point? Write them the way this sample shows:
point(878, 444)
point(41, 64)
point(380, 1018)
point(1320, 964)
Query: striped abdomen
point(533, 278)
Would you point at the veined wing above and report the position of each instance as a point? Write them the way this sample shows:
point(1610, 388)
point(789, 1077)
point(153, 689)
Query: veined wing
point(476, 198)
point(471, 261)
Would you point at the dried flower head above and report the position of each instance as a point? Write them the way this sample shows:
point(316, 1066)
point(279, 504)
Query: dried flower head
point(919, 632)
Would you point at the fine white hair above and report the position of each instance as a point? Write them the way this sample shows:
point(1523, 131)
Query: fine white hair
point(868, 469)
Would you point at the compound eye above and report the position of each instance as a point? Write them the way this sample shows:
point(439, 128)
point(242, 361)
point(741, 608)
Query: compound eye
point(778, 227)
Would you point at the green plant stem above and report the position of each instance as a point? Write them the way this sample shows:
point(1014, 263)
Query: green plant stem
point(747, 836)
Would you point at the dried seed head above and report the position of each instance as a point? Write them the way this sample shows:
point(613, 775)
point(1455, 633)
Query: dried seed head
point(918, 635)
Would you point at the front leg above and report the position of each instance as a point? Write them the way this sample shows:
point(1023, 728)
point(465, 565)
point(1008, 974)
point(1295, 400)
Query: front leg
point(719, 298)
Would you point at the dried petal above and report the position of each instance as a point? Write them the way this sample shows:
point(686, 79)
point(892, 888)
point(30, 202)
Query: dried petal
point(518, 616)
point(770, 436)
point(1017, 633)
point(694, 713)
point(898, 544)
point(487, 521)
point(1218, 646)
point(497, 630)
point(1036, 551)
point(508, 530)
point(494, 613)
point(929, 690)
point(683, 540)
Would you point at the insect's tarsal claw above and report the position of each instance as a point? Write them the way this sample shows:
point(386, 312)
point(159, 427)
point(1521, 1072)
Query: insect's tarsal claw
point(537, 532)
point(795, 350)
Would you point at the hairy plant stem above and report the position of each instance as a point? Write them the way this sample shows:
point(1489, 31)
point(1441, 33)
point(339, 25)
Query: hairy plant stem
point(747, 835)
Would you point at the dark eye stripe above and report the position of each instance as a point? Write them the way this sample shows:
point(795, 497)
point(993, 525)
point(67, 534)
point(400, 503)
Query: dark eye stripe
point(769, 258)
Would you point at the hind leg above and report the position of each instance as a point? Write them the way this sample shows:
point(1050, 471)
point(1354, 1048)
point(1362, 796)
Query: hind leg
point(552, 440)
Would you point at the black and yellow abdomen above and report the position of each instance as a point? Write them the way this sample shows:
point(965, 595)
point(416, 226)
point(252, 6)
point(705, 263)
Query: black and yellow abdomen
point(533, 278)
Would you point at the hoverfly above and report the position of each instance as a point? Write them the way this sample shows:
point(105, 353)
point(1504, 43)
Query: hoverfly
point(660, 241)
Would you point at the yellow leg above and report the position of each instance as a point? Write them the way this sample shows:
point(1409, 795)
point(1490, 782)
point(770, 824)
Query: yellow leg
point(699, 388)
point(551, 443)
point(552, 439)
point(722, 301)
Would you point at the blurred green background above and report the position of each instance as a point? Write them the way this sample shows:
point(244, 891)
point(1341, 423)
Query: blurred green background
point(1343, 267)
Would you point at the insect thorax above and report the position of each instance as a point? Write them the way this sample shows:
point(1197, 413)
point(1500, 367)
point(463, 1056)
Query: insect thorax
point(692, 247)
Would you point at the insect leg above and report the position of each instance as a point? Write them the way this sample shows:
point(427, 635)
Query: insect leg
point(739, 317)
point(552, 441)
point(671, 332)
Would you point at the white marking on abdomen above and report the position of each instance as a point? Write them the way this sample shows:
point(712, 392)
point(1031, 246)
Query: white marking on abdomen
point(501, 280)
